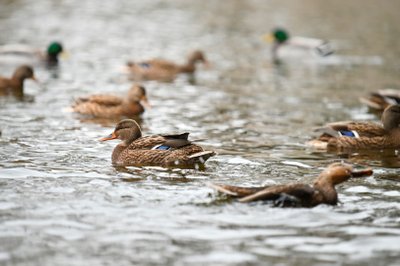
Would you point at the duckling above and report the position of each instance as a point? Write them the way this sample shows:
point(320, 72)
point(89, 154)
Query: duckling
point(280, 37)
point(108, 106)
point(381, 99)
point(163, 70)
point(361, 135)
point(49, 57)
point(15, 85)
point(296, 194)
point(156, 150)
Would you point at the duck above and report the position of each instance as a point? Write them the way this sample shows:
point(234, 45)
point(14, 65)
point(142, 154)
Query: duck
point(322, 191)
point(15, 85)
point(156, 150)
point(381, 99)
point(361, 135)
point(164, 70)
point(280, 37)
point(110, 106)
point(49, 56)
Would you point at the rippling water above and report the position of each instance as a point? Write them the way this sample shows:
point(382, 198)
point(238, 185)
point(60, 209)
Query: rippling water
point(62, 203)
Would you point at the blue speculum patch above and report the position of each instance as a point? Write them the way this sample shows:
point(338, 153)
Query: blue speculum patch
point(347, 133)
point(163, 147)
point(144, 65)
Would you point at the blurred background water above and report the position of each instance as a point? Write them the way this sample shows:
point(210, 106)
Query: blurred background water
point(62, 202)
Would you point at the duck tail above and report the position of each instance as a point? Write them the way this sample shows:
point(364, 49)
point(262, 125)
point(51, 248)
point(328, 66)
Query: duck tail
point(201, 157)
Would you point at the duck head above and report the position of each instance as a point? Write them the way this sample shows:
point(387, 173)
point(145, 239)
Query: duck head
point(126, 130)
point(277, 35)
point(197, 56)
point(54, 49)
point(337, 173)
point(136, 94)
point(24, 72)
point(391, 117)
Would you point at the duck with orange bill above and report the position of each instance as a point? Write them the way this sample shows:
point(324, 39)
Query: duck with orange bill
point(322, 191)
point(157, 150)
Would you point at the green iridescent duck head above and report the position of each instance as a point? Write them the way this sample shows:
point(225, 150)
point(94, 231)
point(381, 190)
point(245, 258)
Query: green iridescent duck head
point(54, 49)
point(280, 35)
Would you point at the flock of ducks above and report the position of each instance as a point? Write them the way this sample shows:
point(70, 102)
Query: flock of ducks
point(178, 151)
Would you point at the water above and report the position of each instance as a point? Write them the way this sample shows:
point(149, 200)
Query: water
point(62, 203)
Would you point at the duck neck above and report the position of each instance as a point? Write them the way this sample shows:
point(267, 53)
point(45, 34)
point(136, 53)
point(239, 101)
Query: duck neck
point(189, 67)
point(117, 151)
point(17, 84)
point(52, 59)
point(328, 191)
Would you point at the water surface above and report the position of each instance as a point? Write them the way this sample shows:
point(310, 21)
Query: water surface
point(62, 203)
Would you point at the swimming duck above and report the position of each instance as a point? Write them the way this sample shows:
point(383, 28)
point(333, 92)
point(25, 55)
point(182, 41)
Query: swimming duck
point(361, 135)
point(296, 194)
point(381, 99)
point(49, 57)
point(280, 37)
point(156, 150)
point(107, 106)
point(160, 69)
point(15, 85)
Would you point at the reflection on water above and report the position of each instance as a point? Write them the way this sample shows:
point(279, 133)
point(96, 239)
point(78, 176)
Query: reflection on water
point(62, 202)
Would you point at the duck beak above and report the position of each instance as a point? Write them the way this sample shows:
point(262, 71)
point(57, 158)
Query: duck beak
point(362, 172)
point(269, 38)
point(206, 64)
point(145, 102)
point(109, 137)
point(64, 55)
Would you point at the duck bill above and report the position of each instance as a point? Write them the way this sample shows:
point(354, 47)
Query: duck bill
point(362, 173)
point(268, 38)
point(145, 102)
point(109, 137)
point(64, 55)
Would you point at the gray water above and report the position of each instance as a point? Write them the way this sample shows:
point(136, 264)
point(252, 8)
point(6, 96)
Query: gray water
point(62, 202)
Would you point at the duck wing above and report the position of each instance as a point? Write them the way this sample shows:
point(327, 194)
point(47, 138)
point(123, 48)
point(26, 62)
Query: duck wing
point(235, 191)
point(101, 99)
point(351, 129)
point(161, 142)
point(301, 192)
point(379, 100)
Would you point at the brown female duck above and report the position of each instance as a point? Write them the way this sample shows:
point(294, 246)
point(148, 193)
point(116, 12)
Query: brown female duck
point(381, 99)
point(15, 85)
point(107, 106)
point(299, 195)
point(362, 135)
point(156, 150)
point(160, 69)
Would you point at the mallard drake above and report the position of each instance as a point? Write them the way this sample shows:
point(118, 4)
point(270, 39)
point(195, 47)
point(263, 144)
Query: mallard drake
point(107, 106)
point(297, 194)
point(361, 135)
point(381, 99)
point(280, 37)
point(15, 85)
point(49, 57)
point(160, 69)
point(156, 150)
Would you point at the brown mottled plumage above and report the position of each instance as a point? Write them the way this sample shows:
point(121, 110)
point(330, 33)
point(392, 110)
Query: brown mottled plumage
point(381, 99)
point(157, 150)
point(365, 135)
point(299, 195)
point(160, 69)
point(108, 106)
point(15, 85)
